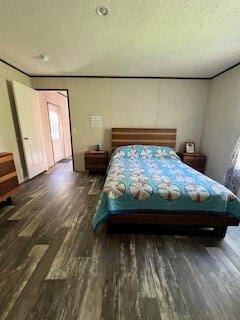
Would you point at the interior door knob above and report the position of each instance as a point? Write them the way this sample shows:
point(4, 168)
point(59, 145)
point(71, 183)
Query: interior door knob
point(25, 138)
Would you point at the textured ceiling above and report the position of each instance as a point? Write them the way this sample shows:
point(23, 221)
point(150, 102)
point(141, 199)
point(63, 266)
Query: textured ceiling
point(172, 38)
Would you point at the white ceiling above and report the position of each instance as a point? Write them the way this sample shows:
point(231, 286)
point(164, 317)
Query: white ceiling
point(172, 38)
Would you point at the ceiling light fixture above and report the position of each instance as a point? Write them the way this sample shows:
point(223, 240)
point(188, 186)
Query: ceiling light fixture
point(44, 57)
point(102, 11)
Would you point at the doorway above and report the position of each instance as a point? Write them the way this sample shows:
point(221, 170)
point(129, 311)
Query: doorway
point(56, 132)
point(56, 126)
point(43, 142)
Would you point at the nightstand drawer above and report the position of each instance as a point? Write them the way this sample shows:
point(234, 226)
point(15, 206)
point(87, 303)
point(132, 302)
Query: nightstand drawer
point(96, 161)
point(196, 161)
point(96, 155)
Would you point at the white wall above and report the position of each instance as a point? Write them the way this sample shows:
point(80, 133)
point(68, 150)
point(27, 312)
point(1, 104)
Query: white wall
point(130, 103)
point(222, 123)
point(8, 139)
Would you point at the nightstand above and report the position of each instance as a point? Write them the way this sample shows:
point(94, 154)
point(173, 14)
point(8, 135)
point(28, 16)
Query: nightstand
point(96, 161)
point(195, 160)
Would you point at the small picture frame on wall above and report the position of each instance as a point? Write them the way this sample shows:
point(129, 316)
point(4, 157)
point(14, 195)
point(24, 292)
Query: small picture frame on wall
point(190, 147)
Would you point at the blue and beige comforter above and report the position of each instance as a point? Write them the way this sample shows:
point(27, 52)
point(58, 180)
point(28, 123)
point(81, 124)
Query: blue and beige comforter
point(153, 179)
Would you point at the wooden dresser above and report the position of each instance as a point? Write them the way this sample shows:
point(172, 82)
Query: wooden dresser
point(195, 160)
point(8, 177)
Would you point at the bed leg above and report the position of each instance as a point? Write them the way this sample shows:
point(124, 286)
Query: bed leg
point(9, 201)
point(220, 231)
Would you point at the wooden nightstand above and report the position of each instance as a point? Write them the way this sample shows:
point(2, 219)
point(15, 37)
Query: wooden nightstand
point(195, 160)
point(96, 161)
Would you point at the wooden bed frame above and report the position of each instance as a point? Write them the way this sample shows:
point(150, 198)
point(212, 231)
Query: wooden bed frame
point(156, 137)
point(162, 137)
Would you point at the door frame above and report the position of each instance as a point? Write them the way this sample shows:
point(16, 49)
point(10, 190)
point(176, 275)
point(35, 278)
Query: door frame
point(61, 128)
point(69, 116)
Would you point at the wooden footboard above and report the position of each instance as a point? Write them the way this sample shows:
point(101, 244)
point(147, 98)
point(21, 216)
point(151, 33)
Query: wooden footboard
point(149, 220)
point(174, 219)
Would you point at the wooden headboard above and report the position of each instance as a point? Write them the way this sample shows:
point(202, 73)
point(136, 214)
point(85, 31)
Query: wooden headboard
point(129, 136)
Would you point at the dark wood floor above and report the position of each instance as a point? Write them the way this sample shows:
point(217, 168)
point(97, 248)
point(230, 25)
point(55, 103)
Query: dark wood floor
point(52, 266)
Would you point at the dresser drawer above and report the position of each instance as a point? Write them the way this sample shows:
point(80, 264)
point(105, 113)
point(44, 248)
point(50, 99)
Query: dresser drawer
point(6, 167)
point(8, 176)
point(8, 185)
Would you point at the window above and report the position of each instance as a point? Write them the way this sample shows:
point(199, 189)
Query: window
point(54, 125)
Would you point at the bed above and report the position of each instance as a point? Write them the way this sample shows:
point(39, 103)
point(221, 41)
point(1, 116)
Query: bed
point(147, 184)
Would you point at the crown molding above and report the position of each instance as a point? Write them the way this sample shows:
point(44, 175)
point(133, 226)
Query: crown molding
point(12, 66)
point(225, 70)
point(117, 77)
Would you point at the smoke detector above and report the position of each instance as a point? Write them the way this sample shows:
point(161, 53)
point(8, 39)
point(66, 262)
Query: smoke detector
point(102, 11)
point(44, 57)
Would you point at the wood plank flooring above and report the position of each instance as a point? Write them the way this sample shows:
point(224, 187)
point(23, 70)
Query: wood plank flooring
point(53, 267)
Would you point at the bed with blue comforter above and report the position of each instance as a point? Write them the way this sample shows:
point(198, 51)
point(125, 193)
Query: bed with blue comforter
point(153, 179)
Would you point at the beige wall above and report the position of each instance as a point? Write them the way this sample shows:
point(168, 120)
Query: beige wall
point(178, 104)
point(222, 122)
point(130, 103)
point(57, 99)
point(8, 140)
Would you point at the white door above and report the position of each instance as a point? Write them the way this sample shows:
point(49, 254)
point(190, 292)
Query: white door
point(29, 118)
point(54, 113)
